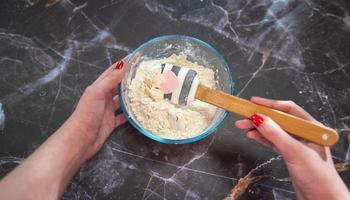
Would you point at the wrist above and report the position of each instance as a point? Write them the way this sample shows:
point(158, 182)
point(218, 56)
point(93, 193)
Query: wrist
point(82, 134)
point(333, 187)
point(80, 129)
point(340, 190)
point(75, 139)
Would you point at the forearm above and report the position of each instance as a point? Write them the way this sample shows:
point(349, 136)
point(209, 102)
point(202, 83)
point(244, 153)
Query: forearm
point(339, 194)
point(335, 188)
point(326, 185)
point(45, 173)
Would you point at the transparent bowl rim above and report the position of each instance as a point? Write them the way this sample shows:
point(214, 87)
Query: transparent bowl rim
point(148, 134)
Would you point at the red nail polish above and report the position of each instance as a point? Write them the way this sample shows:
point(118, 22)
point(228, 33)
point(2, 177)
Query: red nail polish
point(120, 64)
point(257, 119)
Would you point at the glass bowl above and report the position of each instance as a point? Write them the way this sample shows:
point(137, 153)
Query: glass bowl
point(196, 51)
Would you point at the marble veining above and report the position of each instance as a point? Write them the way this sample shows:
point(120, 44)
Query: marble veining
point(283, 49)
point(2, 118)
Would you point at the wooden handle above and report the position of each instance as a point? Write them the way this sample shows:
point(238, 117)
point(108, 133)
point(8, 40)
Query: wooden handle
point(292, 124)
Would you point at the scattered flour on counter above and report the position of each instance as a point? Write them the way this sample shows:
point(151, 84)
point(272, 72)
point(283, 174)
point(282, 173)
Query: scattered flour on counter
point(158, 115)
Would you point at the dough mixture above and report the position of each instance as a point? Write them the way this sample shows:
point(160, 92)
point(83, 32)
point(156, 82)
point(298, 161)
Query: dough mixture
point(162, 117)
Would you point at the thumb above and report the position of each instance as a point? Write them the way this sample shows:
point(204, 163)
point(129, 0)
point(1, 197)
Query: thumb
point(110, 82)
point(286, 145)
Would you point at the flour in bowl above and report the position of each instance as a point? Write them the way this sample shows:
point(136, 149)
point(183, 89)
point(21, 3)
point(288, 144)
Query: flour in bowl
point(158, 115)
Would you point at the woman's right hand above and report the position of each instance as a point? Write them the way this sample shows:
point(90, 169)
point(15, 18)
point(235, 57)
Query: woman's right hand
point(310, 166)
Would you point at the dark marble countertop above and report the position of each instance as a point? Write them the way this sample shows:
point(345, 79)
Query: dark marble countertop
point(284, 49)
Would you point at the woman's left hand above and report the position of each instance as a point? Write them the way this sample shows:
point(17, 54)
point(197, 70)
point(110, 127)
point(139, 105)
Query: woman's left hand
point(94, 116)
point(49, 169)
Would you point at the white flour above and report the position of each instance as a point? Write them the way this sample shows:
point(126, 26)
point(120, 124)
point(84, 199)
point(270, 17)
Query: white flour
point(158, 115)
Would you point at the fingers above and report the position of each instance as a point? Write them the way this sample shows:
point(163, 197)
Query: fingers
point(252, 134)
point(255, 135)
point(244, 124)
point(109, 79)
point(110, 82)
point(272, 132)
point(285, 106)
point(116, 102)
point(105, 73)
point(120, 120)
point(108, 70)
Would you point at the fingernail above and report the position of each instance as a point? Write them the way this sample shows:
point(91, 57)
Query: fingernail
point(257, 119)
point(119, 64)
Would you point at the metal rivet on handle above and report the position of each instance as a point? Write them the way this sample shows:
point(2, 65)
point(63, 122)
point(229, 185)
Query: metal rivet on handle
point(325, 136)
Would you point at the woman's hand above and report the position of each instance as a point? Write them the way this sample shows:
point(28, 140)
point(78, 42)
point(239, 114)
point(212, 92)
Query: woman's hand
point(310, 165)
point(46, 173)
point(94, 118)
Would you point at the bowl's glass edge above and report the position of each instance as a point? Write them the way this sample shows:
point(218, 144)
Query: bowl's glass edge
point(173, 141)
